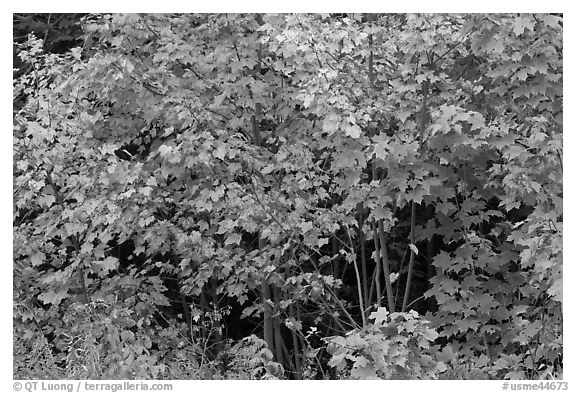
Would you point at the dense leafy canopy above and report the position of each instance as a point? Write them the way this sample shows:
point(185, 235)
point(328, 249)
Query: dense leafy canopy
point(186, 183)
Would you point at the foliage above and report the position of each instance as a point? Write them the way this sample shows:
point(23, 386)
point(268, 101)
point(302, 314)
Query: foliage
point(251, 359)
point(294, 171)
point(59, 32)
point(394, 346)
point(102, 341)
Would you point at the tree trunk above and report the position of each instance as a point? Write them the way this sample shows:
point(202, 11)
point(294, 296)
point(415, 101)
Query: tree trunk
point(386, 266)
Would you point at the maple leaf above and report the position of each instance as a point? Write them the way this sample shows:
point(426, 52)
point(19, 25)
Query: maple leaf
point(362, 370)
point(352, 130)
point(47, 200)
point(447, 354)
point(108, 264)
point(477, 120)
point(555, 290)
point(330, 125)
point(165, 151)
point(37, 259)
point(382, 213)
point(355, 341)
point(495, 45)
point(522, 23)
point(53, 297)
point(233, 238)
point(467, 324)
point(306, 226)
point(220, 152)
point(381, 146)
point(379, 315)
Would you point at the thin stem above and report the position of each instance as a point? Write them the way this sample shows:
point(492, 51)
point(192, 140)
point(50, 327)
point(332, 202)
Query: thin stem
point(358, 282)
point(377, 260)
point(412, 255)
point(363, 263)
point(386, 266)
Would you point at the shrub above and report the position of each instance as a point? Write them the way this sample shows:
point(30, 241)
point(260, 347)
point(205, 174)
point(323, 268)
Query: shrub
point(393, 346)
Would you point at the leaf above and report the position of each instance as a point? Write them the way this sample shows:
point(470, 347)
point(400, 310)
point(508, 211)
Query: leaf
point(522, 23)
point(467, 324)
point(338, 361)
point(53, 297)
point(495, 45)
point(430, 334)
point(382, 213)
point(165, 151)
point(353, 131)
point(233, 238)
point(442, 261)
point(146, 191)
point(447, 354)
point(403, 115)
point(483, 39)
point(476, 120)
point(308, 98)
point(108, 264)
point(360, 362)
point(367, 372)
point(330, 124)
point(47, 200)
point(306, 226)
point(380, 315)
point(355, 341)
point(220, 152)
point(555, 290)
point(37, 259)
point(380, 151)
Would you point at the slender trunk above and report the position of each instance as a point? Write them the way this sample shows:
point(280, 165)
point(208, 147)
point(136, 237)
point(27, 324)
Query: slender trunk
point(421, 126)
point(299, 318)
point(266, 298)
point(358, 281)
point(296, 346)
point(430, 273)
point(342, 328)
point(386, 266)
point(335, 261)
point(287, 356)
point(186, 312)
point(364, 267)
point(430, 254)
point(278, 341)
point(487, 346)
point(204, 307)
point(84, 298)
point(377, 274)
point(372, 285)
point(217, 322)
point(264, 286)
point(412, 257)
point(256, 124)
point(268, 326)
point(400, 268)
